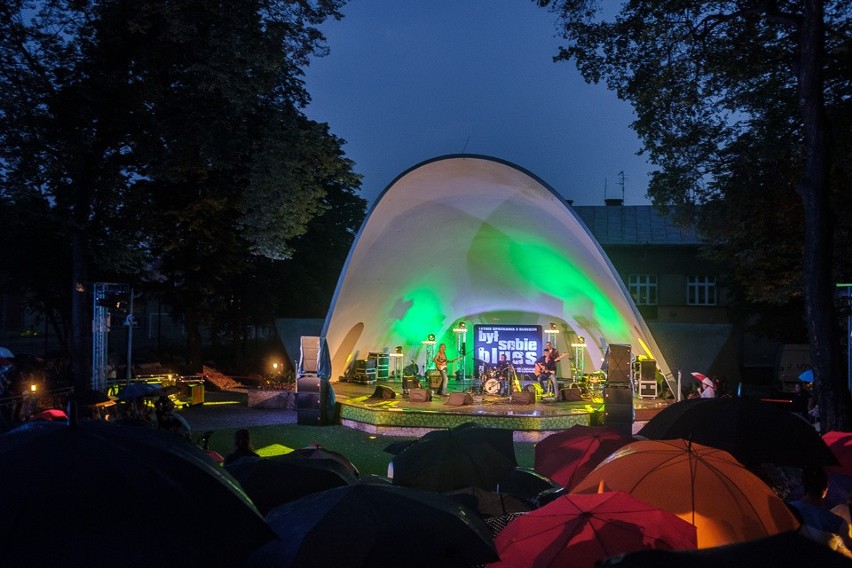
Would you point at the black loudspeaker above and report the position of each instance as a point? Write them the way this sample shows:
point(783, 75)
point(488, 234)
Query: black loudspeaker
point(435, 378)
point(308, 384)
point(523, 397)
point(618, 365)
point(383, 392)
point(618, 408)
point(409, 383)
point(648, 370)
point(572, 394)
point(419, 395)
point(459, 399)
point(315, 401)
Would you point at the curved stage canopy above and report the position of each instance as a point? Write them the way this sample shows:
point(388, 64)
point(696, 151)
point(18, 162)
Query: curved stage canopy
point(477, 240)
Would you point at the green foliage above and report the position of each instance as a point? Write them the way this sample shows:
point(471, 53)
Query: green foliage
point(166, 147)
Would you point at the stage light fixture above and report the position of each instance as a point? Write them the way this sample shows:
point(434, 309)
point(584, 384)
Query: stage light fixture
point(462, 328)
point(551, 329)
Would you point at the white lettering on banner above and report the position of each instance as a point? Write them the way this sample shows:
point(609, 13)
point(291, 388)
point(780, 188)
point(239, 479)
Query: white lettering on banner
point(519, 343)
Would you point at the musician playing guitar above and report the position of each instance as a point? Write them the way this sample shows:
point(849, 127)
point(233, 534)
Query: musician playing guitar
point(545, 368)
point(441, 362)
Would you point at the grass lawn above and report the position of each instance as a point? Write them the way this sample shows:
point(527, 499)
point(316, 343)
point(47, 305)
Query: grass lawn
point(365, 450)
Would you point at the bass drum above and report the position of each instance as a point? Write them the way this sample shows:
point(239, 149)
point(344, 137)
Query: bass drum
point(492, 386)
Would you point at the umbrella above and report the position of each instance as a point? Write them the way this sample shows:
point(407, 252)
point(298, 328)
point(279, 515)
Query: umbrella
point(754, 432)
point(464, 456)
point(525, 483)
point(6, 354)
point(488, 504)
point(139, 390)
point(94, 492)
point(50, 415)
point(276, 480)
point(375, 525)
point(704, 486)
point(568, 456)
point(807, 376)
point(89, 397)
point(579, 530)
point(784, 550)
point(840, 444)
point(315, 451)
point(701, 378)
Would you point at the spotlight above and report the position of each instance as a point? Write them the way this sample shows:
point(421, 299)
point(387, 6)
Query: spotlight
point(431, 337)
point(462, 328)
point(551, 329)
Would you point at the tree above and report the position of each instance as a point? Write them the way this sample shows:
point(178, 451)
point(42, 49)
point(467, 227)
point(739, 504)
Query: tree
point(711, 82)
point(168, 139)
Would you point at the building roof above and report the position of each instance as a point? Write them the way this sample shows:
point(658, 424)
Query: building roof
point(634, 225)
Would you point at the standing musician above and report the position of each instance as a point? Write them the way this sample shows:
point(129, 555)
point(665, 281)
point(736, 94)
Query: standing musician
point(441, 362)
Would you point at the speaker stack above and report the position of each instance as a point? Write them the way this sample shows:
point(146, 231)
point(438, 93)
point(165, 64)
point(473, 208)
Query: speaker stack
point(309, 401)
point(618, 393)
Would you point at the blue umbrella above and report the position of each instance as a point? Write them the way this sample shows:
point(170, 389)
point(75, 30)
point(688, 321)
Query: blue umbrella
point(807, 376)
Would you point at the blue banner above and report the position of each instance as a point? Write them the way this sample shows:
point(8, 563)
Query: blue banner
point(521, 344)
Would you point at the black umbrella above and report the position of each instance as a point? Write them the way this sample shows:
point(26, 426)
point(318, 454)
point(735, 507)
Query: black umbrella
point(94, 493)
point(273, 481)
point(315, 451)
point(754, 432)
point(139, 390)
point(526, 483)
point(464, 456)
point(487, 503)
point(375, 525)
point(783, 550)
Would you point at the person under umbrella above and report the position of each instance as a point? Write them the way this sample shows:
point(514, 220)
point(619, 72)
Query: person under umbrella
point(704, 486)
point(242, 447)
point(579, 530)
point(94, 493)
point(375, 525)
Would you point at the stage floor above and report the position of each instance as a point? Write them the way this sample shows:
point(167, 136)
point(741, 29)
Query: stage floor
point(361, 408)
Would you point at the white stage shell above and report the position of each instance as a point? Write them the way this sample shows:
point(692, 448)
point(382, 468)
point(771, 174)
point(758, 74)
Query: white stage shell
point(474, 239)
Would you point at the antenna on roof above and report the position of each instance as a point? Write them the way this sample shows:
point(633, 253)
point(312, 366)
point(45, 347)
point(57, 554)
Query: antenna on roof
point(621, 180)
point(465, 145)
point(604, 189)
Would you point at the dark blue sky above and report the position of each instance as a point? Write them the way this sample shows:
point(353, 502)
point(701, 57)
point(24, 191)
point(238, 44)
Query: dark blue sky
point(409, 80)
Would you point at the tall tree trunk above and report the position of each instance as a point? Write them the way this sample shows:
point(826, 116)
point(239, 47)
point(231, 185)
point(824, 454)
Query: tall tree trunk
point(832, 392)
point(81, 325)
point(193, 342)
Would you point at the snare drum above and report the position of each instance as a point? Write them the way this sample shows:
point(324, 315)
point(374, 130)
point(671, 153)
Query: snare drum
point(492, 386)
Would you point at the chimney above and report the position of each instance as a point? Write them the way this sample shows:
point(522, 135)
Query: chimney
point(614, 202)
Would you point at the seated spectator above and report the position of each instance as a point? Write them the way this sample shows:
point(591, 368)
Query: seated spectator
point(818, 523)
point(242, 447)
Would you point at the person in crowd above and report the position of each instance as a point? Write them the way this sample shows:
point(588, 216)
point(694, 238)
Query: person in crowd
point(802, 402)
point(441, 363)
point(242, 447)
point(545, 370)
point(707, 389)
point(818, 523)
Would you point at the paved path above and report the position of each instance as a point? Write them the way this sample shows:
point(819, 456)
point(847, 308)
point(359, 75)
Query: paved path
point(229, 409)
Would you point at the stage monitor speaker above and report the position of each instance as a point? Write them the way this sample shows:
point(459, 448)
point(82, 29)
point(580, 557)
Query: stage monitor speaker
point(410, 382)
point(459, 399)
point(383, 392)
point(618, 365)
point(419, 395)
point(523, 397)
point(571, 394)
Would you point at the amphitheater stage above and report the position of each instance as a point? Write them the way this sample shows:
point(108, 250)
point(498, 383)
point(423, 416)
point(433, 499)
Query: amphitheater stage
point(381, 408)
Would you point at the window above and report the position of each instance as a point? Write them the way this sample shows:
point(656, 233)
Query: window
point(643, 289)
point(701, 291)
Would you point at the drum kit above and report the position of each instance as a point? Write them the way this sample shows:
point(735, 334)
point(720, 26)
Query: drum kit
point(492, 381)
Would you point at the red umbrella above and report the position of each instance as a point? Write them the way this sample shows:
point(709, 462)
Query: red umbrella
point(579, 530)
point(840, 444)
point(568, 456)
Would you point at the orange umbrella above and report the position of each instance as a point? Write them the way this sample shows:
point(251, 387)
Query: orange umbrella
point(702, 485)
point(579, 530)
point(568, 456)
